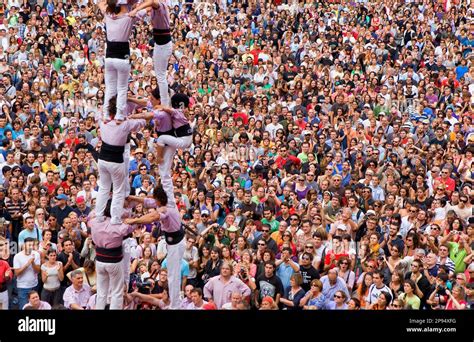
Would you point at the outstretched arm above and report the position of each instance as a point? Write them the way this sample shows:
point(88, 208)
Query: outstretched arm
point(143, 5)
point(148, 218)
point(139, 102)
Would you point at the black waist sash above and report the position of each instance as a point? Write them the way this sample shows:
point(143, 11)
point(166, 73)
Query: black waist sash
point(184, 130)
point(109, 255)
point(111, 153)
point(120, 50)
point(161, 36)
point(175, 237)
point(170, 132)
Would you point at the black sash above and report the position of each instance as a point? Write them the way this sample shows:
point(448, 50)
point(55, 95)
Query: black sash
point(120, 50)
point(175, 237)
point(111, 153)
point(170, 132)
point(161, 36)
point(109, 255)
point(183, 131)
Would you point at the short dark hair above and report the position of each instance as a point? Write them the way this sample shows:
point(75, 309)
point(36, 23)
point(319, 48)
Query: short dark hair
point(160, 195)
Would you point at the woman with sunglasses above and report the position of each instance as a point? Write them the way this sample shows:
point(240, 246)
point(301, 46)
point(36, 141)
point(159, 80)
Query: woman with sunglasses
point(345, 272)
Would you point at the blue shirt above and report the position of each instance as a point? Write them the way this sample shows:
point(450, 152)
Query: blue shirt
point(25, 233)
point(284, 272)
point(330, 290)
point(184, 268)
point(134, 164)
point(137, 181)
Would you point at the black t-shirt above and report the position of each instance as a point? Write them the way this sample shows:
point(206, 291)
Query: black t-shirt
point(269, 286)
point(60, 214)
point(308, 274)
point(63, 257)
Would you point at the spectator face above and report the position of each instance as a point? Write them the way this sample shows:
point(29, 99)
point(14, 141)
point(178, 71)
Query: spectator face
point(377, 280)
point(443, 252)
point(77, 281)
point(34, 300)
point(269, 270)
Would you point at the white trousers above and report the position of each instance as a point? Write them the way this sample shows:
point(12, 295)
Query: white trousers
point(111, 173)
point(4, 300)
point(173, 264)
point(109, 282)
point(126, 162)
point(126, 260)
point(164, 170)
point(171, 144)
point(117, 72)
point(161, 56)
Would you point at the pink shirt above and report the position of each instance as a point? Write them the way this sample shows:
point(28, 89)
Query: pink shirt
point(222, 293)
point(179, 119)
point(79, 297)
point(170, 220)
point(160, 17)
point(116, 135)
point(106, 235)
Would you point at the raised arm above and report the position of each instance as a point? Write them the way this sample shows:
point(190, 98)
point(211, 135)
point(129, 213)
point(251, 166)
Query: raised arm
point(102, 5)
point(143, 5)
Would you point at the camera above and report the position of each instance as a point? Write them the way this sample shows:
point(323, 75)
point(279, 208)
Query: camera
point(441, 290)
point(243, 273)
point(144, 287)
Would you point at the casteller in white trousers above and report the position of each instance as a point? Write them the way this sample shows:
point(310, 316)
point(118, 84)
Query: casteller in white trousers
point(109, 259)
point(170, 219)
point(111, 162)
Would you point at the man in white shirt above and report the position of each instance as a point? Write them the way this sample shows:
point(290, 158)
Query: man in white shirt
point(27, 265)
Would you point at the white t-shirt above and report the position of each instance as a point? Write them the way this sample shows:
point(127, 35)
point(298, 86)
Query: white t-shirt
point(29, 278)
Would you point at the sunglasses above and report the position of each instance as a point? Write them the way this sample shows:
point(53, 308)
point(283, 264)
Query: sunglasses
point(336, 296)
point(310, 247)
point(261, 244)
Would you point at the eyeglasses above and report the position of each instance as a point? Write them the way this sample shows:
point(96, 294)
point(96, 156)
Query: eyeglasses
point(413, 211)
point(310, 247)
point(143, 169)
point(436, 228)
point(265, 230)
point(305, 258)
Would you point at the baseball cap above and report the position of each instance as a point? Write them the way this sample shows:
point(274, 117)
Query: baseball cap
point(370, 212)
point(238, 206)
point(205, 212)
point(341, 227)
point(36, 164)
point(232, 229)
point(79, 200)
point(209, 306)
point(62, 197)
point(138, 150)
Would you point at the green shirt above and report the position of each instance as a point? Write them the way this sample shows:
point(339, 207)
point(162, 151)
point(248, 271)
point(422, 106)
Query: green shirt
point(274, 224)
point(412, 301)
point(303, 157)
point(457, 255)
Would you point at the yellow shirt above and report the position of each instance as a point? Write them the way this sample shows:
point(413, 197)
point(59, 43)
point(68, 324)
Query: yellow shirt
point(45, 167)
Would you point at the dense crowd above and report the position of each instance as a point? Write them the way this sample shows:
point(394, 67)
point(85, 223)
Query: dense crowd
point(331, 166)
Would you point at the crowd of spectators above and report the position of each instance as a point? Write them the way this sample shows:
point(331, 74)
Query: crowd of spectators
point(331, 166)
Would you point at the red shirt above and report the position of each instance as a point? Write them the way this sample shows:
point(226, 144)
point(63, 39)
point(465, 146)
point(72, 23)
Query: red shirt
point(4, 268)
point(327, 260)
point(280, 161)
point(51, 187)
point(449, 183)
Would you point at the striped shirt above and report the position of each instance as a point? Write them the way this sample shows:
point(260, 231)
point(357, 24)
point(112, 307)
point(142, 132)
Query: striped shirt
point(448, 263)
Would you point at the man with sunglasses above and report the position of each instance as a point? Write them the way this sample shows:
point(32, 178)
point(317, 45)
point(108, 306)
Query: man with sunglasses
point(265, 237)
point(307, 270)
